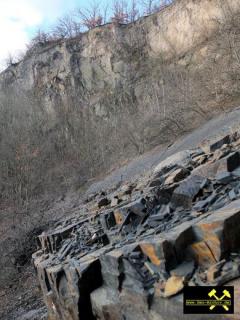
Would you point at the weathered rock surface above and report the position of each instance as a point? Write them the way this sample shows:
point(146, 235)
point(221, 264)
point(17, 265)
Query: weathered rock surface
point(127, 259)
point(122, 87)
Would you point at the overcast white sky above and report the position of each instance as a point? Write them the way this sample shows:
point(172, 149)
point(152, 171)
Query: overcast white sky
point(20, 18)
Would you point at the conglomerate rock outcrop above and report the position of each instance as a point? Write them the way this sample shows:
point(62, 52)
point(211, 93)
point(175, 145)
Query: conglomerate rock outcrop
point(132, 249)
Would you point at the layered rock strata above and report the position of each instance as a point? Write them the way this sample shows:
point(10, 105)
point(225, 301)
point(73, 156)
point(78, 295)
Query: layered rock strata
point(132, 249)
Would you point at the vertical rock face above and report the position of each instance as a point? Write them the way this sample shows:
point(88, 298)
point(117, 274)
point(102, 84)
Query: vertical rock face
point(131, 82)
point(132, 259)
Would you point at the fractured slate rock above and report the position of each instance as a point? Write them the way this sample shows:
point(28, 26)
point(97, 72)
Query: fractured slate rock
point(217, 235)
point(215, 144)
point(187, 190)
point(224, 177)
point(178, 226)
point(103, 202)
point(177, 175)
point(182, 158)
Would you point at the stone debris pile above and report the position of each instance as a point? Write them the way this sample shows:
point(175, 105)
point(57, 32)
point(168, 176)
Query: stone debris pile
point(133, 247)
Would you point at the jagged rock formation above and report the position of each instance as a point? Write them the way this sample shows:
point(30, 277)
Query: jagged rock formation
point(132, 249)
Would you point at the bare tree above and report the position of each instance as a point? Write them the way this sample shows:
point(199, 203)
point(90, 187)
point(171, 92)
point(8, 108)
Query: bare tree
point(133, 14)
point(120, 11)
point(66, 27)
point(90, 17)
point(163, 4)
point(41, 38)
point(106, 14)
point(148, 6)
point(10, 60)
point(151, 6)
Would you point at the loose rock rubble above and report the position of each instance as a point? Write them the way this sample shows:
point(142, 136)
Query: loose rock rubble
point(134, 246)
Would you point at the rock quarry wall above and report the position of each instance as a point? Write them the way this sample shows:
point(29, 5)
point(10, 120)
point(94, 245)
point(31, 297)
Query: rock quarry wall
point(142, 84)
point(119, 90)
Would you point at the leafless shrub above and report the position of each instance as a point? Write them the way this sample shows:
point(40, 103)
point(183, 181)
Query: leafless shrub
point(13, 60)
point(10, 60)
point(151, 6)
point(66, 27)
point(148, 6)
point(90, 17)
point(134, 11)
point(40, 39)
point(105, 14)
point(120, 11)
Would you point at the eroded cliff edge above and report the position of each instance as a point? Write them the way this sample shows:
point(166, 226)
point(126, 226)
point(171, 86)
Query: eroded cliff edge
point(141, 84)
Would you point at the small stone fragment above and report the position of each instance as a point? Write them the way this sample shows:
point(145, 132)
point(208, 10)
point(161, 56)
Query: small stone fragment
point(177, 176)
point(159, 251)
point(232, 195)
point(103, 202)
point(181, 158)
point(224, 177)
point(215, 144)
point(185, 269)
point(184, 194)
point(114, 202)
point(174, 285)
point(212, 273)
point(156, 182)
